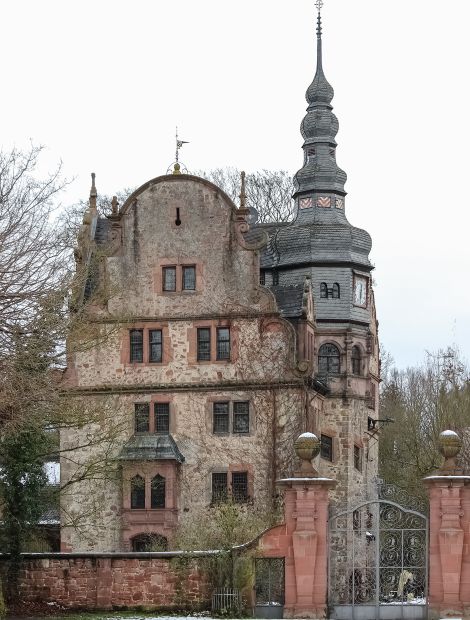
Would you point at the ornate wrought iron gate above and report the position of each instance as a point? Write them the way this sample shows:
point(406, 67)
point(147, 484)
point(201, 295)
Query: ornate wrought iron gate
point(378, 562)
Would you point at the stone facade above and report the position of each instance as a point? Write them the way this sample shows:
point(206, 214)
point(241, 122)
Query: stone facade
point(208, 347)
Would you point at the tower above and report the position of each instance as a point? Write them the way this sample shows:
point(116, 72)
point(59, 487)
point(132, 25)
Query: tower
point(322, 244)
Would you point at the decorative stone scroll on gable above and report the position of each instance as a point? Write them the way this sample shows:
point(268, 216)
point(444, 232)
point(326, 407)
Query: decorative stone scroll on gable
point(302, 539)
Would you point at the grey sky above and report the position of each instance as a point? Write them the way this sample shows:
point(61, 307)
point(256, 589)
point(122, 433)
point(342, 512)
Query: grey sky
point(102, 84)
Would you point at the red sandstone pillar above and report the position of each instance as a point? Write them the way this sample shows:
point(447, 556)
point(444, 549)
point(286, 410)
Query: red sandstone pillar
point(449, 535)
point(306, 521)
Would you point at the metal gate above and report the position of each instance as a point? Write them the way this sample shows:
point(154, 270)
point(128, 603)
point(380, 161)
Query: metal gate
point(269, 587)
point(378, 562)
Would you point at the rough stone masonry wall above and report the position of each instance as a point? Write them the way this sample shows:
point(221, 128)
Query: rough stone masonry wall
point(107, 582)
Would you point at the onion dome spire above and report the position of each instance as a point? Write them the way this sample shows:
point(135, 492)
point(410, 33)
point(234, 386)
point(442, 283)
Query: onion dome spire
point(320, 178)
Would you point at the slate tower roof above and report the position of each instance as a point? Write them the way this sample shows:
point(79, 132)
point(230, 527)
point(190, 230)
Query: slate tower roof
point(320, 242)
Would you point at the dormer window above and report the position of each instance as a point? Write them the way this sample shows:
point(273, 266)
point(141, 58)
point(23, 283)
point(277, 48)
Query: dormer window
point(311, 152)
point(335, 291)
point(329, 293)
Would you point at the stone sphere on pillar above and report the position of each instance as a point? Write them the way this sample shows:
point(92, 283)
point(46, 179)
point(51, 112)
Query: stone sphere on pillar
point(307, 446)
point(449, 443)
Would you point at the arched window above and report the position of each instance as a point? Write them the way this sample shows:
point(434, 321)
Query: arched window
point(137, 492)
point(356, 360)
point(335, 291)
point(323, 290)
point(328, 360)
point(157, 492)
point(149, 542)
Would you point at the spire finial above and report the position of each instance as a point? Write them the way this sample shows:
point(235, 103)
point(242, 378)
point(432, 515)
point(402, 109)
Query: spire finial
point(93, 192)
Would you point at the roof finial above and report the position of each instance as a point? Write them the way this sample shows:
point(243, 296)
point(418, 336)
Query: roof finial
point(93, 192)
point(243, 192)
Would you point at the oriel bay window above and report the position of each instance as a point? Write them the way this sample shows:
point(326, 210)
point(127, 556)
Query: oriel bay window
point(137, 493)
point(328, 360)
point(157, 488)
point(157, 492)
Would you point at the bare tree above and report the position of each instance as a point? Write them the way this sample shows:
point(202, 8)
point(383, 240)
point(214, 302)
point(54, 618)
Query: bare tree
point(31, 259)
point(269, 192)
point(423, 402)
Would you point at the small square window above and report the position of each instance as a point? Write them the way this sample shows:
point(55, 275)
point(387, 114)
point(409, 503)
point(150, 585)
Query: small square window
point(219, 487)
point(141, 418)
point(155, 345)
point(221, 418)
point(241, 417)
point(162, 418)
point(203, 344)
point(169, 278)
point(189, 278)
point(223, 343)
point(240, 486)
point(326, 448)
point(137, 345)
point(357, 458)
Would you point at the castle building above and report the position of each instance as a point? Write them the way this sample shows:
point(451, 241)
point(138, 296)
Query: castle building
point(207, 347)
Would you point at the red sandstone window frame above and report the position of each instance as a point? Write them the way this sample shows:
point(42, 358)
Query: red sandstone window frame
point(167, 269)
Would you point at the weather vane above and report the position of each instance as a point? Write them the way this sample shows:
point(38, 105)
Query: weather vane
point(319, 5)
point(179, 144)
point(175, 168)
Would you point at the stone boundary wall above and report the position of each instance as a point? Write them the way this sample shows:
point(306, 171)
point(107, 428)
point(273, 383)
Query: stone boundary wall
point(108, 581)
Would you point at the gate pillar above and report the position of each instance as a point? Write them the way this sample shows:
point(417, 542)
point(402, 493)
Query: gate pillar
point(306, 523)
point(449, 534)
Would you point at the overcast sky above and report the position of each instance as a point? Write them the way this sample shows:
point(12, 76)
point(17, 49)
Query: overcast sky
point(103, 83)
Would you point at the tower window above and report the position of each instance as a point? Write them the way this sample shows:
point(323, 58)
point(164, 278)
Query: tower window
point(137, 345)
point(275, 278)
point(157, 492)
point(162, 418)
point(323, 290)
point(137, 493)
point(335, 291)
point(356, 360)
point(262, 277)
point(328, 360)
point(141, 418)
point(155, 345)
point(310, 154)
point(223, 343)
point(169, 278)
point(326, 450)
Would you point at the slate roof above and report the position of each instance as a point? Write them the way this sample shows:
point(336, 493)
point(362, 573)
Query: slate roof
point(151, 448)
point(103, 226)
point(289, 299)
